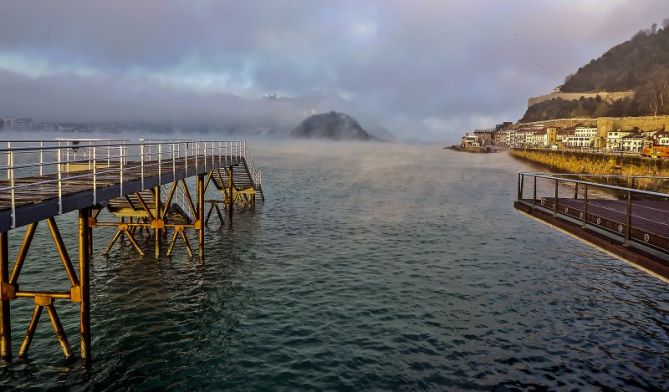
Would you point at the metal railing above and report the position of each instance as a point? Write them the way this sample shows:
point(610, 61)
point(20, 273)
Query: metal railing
point(581, 187)
point(31, 164)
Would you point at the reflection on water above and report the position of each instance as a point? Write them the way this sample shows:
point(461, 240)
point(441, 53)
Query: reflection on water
point(369, 266)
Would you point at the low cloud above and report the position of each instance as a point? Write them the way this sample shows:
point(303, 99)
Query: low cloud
point(424, 69)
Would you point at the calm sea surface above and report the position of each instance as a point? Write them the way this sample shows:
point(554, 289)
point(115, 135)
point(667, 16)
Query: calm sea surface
point(370, 266)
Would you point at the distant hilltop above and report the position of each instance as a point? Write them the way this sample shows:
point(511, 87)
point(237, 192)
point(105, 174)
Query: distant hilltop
point(630, 79)
point(333, 126)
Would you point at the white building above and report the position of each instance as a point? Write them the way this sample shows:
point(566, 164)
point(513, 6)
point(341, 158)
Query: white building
point(614, 139)
point(583, 137)
point(470, 141)
point(632, 142)
point(537, 138)
point(661, 138)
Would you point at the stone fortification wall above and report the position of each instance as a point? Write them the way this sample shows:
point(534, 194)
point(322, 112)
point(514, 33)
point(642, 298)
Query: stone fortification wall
point(646, 123)
point(607, 96)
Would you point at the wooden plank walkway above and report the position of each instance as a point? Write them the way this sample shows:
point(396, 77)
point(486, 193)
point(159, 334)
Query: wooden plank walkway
point(37, 197)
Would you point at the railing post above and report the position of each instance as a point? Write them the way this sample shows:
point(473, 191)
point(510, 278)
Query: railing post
point(174, 165)
point(41, 158)
point(13, 191)
point(185, 159)
point(195, 145)
point(534, 196)
point(120, 176)
point(9, 160)
point(555, 204)
point(60, 182)
point(585, 206)
point(160, 164)
point(95, 184)
point(628, 228)
point(141, 161)
point(576, 190)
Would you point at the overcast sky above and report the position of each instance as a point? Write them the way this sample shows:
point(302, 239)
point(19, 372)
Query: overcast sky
point(425, 69)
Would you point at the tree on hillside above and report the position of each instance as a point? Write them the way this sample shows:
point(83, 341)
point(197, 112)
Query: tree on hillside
point(659, 95)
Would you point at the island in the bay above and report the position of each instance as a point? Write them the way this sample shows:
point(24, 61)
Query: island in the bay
point(332, 125)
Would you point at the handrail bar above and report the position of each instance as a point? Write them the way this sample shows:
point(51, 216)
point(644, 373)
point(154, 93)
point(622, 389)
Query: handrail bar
point(596, 184)
point(591, 175)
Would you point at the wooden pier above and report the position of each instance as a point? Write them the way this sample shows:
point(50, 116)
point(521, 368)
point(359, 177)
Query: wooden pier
point(143, 187)
point(628, 222)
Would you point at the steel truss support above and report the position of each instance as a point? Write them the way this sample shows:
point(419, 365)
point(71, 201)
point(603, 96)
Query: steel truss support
point(6, 291)
point(79, 291)
point(124, 230)
point(200, 213)
point(157, 219)
point(231, 198)
point(179, 232)
point(157, 223)
point(214, 206)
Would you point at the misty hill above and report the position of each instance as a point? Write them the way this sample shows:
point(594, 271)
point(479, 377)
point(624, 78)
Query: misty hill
point(640, 65)
point(332, 125)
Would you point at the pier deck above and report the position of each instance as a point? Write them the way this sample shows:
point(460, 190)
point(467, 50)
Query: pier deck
point(48, 178)
point(631, 223)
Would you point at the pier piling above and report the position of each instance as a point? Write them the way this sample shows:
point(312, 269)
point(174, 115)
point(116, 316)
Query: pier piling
point(5, 292)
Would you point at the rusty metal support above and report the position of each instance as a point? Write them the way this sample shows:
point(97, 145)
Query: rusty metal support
point(28, 337)
point(23, 252)
point(200, 214)
point(156, 215)
point(90, 237)
point(113, 241)
point(131, 238)
point(231, 198)
point(170, 247)
point(5, 324)
point(214, 206)
point(188, 198)
point(58, 329)
point(84, 275)
point(62, 251)
point(144, 205)
point(186, 243)
point(179, 231)
point(169, 199)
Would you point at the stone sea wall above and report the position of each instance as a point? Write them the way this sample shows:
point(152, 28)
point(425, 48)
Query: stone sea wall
point(592, 163)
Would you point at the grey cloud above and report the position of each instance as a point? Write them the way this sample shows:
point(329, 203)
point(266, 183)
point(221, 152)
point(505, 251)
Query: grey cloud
point(400, 63)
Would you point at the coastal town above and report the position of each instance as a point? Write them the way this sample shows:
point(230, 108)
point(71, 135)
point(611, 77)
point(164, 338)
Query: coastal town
point(635, 135)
